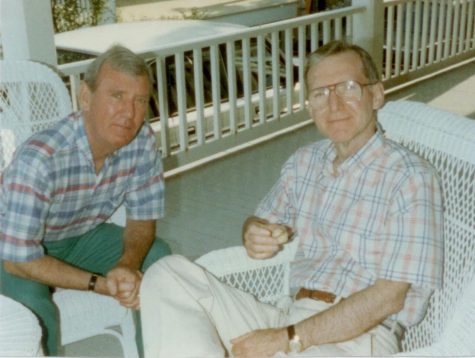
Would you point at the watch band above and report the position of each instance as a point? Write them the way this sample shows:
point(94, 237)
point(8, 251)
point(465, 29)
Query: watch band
point(92, 282)
point(291, 332)
point(295, 344)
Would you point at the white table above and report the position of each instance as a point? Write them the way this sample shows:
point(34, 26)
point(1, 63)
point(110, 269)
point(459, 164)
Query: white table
point(20, 332)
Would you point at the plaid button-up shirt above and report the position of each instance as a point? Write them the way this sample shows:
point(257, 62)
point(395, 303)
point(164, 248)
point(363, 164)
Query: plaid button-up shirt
point(378, 217)
point(51, 191)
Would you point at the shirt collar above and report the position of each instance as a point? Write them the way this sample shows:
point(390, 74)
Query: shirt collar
point(361, 159)
point(82, 140)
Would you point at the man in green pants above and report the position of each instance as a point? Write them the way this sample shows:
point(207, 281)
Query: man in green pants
point(65, 183)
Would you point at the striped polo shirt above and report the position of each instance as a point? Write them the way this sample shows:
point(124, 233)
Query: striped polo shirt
point(50, 191)
point(378, 217)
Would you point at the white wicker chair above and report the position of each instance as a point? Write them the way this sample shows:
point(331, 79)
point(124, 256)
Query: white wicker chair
point(32, 97)
point(20, 331)
point(448, 142)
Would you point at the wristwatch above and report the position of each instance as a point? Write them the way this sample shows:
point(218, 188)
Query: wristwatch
point(295, 344)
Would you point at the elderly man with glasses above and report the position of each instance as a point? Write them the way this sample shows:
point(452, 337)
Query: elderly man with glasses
point(368, 217)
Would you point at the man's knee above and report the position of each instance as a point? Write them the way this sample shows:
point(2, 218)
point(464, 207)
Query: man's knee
point(155, 281)
point(165, 269)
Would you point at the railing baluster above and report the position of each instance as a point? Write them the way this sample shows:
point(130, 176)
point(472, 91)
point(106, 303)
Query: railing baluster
point(199, 95)
point(181, 100)
point(463, 22)
point(349, 27)
point(399, 18)
point(314, 35)
point(470, 42)
point(425, 25)
point(246, 69)
point(440, 35)
point(448, 27)
point(301, 59)
point(216, 91)
point(416, 36)
point(289, 90)
point(232, 87)
point(163, 106)
point(338, 30)
point(389, 42)
point(275, 74)
point(261, 65)
point(327, 32)
point(456, 4)
point(408, 37)
point(433, 30)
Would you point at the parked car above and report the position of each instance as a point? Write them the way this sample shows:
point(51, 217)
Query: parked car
point(147, 37)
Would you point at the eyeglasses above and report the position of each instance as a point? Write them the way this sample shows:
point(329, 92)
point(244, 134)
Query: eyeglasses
point(348, 91)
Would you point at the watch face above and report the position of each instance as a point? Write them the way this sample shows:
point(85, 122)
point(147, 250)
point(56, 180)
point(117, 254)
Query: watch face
point(295, 346)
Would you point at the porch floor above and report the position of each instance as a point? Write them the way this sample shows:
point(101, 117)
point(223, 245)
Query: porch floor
point(206, 206)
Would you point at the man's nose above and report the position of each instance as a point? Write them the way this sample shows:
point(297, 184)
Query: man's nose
point(333, 100)
point(128, 108)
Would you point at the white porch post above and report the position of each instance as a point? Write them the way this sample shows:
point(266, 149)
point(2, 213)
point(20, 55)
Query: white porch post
point(27, 30)
point(368, 29)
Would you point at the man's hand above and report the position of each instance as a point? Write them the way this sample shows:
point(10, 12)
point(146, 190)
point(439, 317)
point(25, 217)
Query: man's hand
point(124, 284)
point(260, 343)
point(262, 239)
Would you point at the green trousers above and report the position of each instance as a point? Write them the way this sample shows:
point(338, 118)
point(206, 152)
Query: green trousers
point(96, 251)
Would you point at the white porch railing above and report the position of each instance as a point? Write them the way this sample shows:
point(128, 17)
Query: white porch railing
point(223, 92)
point(423, 36)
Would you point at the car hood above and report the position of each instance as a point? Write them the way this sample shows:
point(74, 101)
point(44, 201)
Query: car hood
point(141, 36)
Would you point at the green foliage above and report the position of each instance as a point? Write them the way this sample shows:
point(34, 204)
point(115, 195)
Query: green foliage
point(70, 14)
point(192, 14)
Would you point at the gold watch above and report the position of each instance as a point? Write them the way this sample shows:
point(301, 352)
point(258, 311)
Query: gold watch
point(295, 344)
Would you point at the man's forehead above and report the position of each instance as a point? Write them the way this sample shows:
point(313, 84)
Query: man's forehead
point(107, 71)
point(337, 68)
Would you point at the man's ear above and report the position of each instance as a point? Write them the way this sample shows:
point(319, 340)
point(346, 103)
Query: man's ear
point(84, 96)
point(378, 95)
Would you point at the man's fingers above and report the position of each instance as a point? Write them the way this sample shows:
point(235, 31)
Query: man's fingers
point(263, 255)
point(282, 238)
point(279, 233)
point(126, 286)
point(259, 229)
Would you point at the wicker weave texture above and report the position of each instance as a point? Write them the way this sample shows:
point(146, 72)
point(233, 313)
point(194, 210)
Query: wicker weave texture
point(268, 280)
point(32, 98)
point(447, 141)
point(20, 332)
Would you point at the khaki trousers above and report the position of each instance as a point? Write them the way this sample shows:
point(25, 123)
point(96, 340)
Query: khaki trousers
point(187, 312)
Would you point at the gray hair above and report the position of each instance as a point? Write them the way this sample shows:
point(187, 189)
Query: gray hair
point(119, 58)
point(336, 47)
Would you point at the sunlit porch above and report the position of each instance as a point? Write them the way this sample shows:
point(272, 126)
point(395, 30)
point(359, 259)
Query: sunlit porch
point(217, 172)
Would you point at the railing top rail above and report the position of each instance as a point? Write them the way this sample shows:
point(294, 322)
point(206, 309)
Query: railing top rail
point(75, 68)
point(247, 33)
point(394, 2)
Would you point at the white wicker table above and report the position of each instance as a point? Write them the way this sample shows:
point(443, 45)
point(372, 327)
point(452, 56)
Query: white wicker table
point(20, 332)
